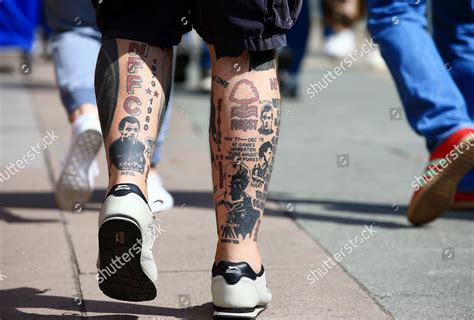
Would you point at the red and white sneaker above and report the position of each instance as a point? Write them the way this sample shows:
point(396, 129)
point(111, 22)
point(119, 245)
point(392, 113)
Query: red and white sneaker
point(436, 189)
point(463, 201)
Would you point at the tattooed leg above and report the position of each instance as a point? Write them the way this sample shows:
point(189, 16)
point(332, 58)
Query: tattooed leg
point(132, 83)
point(243, 134)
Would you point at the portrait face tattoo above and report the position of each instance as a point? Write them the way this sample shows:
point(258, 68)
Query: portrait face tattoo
point(127, 153)
point(267, 120)
point(237, 179)
point(130, 131)
point(241, 216)
point(268, 155)
point(260, 170)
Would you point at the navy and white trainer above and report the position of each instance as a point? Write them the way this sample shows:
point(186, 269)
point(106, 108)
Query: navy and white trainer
point(237, 291)
point(126, 267)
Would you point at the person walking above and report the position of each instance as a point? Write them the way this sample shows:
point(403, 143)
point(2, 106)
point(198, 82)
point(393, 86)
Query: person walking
point(434, 75)
point(75, 35)
point(132, 82)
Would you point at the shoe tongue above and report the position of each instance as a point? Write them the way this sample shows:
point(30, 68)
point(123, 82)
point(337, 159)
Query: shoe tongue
point(123, 189)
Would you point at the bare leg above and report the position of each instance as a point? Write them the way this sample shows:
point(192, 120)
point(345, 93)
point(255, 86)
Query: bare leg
point(83, 109)
point(132, 87)
point(244, 129)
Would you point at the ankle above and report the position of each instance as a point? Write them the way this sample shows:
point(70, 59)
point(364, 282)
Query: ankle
point(121, 180)
point(239, 253)
point(83, 109)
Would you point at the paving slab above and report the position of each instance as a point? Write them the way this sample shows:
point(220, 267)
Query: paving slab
point(184, 251)
point(415, 273)
point(36, 264)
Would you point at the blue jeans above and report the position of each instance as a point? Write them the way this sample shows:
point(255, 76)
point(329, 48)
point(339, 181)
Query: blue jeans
point(76, 44)
point(434, 74)
point(297, 39)
point(74, 53)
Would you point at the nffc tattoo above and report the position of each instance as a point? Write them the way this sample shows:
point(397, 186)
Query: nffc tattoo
point(243, 116)
point(132, 104)
point(241, 216)
point(134, 63)
point(127, 152)
point(133, 81)
point(140, 49)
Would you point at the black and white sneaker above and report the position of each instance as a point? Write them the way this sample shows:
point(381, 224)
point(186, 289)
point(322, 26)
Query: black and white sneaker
point(126, 267)
point(237, 291)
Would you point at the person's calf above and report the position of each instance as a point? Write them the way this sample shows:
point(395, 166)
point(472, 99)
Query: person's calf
point(132, 84)
point(244, 130)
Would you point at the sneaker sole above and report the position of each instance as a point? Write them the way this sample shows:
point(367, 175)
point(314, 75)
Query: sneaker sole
point(128, 282)
point(438, 195)
point(237, 313)
point(73, 186)
point(467, 205)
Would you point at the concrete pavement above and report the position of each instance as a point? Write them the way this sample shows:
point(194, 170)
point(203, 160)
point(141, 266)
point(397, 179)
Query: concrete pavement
point(344, 165)
point(48, 256)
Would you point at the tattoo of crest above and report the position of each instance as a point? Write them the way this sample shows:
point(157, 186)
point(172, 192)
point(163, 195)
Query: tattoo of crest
point(244, 114)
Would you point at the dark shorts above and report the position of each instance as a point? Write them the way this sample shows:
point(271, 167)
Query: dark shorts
point(230, 25)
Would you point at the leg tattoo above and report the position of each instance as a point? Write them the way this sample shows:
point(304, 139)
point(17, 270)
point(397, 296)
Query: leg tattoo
point(244, 130)
point(132, 85)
